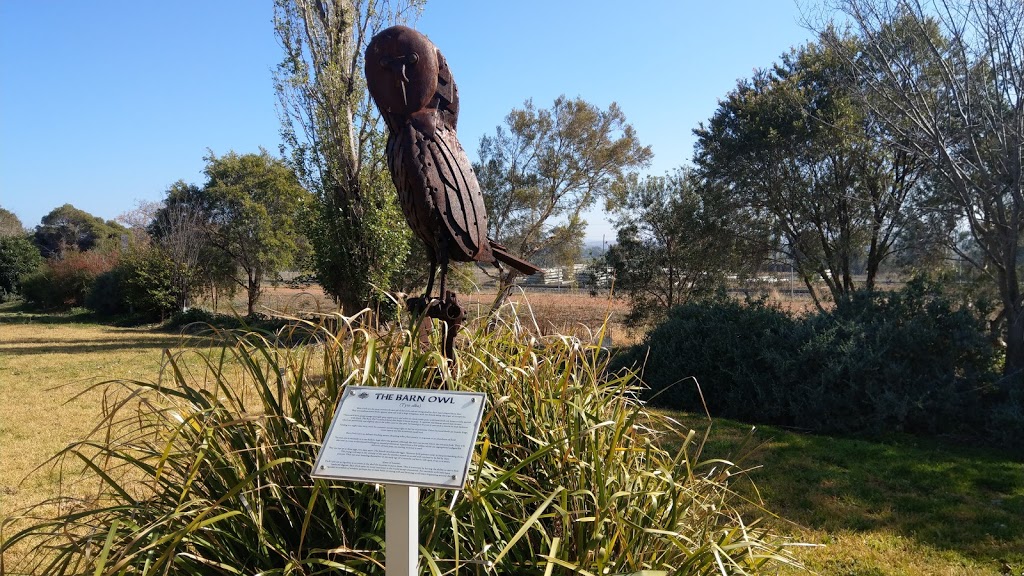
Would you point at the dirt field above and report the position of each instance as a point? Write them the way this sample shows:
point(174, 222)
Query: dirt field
point(566, 311)
point(547, 311)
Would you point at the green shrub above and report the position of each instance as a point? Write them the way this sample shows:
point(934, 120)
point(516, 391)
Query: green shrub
point(106, 295)
point(205, 471)
point(18, 258)
point(139, 286)
point(907, 360)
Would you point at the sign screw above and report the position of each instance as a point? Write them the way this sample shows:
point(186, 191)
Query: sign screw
point(453, 477)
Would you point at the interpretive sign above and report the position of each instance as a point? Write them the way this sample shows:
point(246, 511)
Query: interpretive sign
point(407, 436)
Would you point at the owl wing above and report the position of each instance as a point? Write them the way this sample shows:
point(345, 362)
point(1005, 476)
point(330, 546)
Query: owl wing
point(447, 95)
point(450, 180)
point(415, 200)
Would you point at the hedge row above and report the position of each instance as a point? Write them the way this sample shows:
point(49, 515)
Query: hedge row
point(908, 360)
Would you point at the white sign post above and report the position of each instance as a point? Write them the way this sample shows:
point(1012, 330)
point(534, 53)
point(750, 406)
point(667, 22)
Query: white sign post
point(404, 438)
point(401, 534)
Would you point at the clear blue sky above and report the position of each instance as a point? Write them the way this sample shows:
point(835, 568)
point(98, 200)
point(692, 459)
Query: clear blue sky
point(106, 103)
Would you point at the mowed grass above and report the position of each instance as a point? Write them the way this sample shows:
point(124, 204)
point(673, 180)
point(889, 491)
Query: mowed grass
point(904, 505)
point(47, 365)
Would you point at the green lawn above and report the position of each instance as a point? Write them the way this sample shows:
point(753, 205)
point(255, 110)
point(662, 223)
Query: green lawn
point(902, 505)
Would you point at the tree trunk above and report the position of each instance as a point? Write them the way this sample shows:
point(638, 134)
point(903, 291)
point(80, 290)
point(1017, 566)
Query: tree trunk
point(505, 281)
point(1014, 340)
point(253, 292)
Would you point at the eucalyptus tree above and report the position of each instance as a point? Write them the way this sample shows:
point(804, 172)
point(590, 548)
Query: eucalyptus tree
point(545, 168)
point(241, 224)
point(178, 230)
point(799, 156)
point(334, 141)
point(946, 77)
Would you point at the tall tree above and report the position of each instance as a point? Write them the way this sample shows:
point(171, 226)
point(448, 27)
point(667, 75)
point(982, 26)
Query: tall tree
point(672, 244)
point(335, 141)
point(178, 229)
point(68, 228)
point(545, 168)
point(250, 203)
point(10, 224)
point(947, 79)
point(795, 147)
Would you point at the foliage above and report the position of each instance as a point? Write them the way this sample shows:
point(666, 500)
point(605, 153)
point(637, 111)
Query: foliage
point(947, 81)
point(897, 505)
point(907, 360)
point(140, 286)
point(206, 470)
point(65, 282)
point(800, 159)
point(10, 224)
point(413, 273)
point(251, 203)
point(67, 228)
point(18, 258)
point(178, 229)
point(240, 227)
point(545, 168)
point(671, 244)
point(335, 142)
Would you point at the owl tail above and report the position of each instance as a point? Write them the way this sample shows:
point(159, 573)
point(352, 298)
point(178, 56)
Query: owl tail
point(504, 256)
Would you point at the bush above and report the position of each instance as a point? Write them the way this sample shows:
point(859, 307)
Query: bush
point(906, 361)
point(895, 361)
point(18, 258)
point(139, 286)
point(65, 282)
point(739, 353)
point(569, 466)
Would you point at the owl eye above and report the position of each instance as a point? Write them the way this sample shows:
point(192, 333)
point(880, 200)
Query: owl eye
point(406, 60)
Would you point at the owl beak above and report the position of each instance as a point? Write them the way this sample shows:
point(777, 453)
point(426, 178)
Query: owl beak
point(398, 64)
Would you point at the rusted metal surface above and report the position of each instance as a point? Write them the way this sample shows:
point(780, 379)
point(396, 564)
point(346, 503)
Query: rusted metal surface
point(447, 310)
point(414, 90)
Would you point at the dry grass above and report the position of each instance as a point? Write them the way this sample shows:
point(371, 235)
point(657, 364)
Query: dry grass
point(47, 368)
point(44, 369)
point(568, 311)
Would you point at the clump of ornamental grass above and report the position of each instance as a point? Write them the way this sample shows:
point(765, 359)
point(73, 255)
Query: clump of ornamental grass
point(206, 469)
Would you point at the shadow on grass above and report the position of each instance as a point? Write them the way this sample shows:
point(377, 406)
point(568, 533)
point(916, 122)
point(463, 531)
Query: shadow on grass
point(944, 496)
point(16, 348)
point(19, 313)
point(22, 316)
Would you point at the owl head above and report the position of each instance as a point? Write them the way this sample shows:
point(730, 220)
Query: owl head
point(401, 70)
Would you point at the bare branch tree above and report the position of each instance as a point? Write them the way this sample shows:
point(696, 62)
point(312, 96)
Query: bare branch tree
point(947, 77)
point(335, 143)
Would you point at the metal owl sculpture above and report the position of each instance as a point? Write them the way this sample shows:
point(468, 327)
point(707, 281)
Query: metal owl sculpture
point(413, 88)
